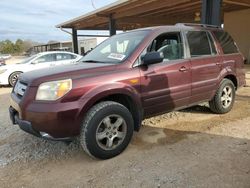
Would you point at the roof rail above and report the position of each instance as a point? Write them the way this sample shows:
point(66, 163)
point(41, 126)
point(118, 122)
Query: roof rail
point(199, 25)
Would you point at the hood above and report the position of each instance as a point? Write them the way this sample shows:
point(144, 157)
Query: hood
point(79, 70)
point(10, 66)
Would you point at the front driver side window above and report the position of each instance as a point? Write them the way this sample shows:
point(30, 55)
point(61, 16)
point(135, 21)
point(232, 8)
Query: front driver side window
point(168, 44)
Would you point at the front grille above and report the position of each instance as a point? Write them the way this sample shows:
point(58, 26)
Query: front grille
point(20, 88)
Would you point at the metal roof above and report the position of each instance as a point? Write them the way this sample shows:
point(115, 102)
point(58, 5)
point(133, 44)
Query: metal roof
point(131, 14)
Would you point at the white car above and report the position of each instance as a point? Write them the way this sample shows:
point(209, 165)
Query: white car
point(5, 56)
point(10, 73)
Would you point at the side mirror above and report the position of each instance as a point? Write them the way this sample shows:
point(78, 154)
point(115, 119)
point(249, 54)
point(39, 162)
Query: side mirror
point(152, 58)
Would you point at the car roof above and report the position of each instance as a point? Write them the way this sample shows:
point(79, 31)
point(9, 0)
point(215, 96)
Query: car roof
point(53, 52)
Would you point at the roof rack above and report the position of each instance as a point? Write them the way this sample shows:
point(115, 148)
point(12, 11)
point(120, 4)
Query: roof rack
point(199, 25)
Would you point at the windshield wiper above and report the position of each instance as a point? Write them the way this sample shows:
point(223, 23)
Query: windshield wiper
point(89, 61)
point(92, 61)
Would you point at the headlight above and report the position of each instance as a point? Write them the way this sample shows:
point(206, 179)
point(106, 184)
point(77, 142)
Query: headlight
point(54, 90)
point(3, 71)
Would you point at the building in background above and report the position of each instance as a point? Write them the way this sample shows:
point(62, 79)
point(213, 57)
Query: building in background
point(84, 45)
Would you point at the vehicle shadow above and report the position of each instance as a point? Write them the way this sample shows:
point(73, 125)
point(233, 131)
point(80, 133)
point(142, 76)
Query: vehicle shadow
point(197, 109)
point(242, 97)
point(5, 86)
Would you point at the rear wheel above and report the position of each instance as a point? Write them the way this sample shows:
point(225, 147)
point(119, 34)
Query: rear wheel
point(106, 130)
point(224, 98)
point(13, 78)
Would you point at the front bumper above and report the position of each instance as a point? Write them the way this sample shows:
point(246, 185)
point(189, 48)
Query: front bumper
point(27, 127)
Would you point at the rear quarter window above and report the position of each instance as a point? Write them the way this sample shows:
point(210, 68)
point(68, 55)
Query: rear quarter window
point(226, 41)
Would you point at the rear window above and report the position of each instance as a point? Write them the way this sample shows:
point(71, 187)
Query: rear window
point(226, 41)
point(199, 44)
point(64, 56)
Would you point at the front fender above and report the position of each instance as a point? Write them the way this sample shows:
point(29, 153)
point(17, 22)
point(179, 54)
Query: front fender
point(103, 91)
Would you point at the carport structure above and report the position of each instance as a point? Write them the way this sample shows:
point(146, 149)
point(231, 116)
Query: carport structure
point(130, 14)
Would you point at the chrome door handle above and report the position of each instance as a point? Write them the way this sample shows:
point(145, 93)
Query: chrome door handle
point(183, 69)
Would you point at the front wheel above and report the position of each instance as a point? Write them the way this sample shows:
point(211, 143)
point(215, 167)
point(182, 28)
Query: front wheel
point(106, 130)
point(224, 98)
point(13, 78)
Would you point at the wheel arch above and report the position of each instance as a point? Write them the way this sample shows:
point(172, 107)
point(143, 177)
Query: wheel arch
point(130, 100)
point(233, 79)
point(12, 74)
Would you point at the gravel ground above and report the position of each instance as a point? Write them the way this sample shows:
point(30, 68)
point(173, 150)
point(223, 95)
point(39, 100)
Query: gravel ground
point(187, 148)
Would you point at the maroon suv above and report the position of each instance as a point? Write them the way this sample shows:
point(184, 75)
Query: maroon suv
point(131, 76)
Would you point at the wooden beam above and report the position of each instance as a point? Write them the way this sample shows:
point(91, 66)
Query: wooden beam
point(237, 3)
point(128, 6)
point(149, 7)
point(137, 20)
point(153, 21)
point(191, 9)
point(174, 8)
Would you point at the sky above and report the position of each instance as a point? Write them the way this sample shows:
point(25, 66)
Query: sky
point(36, 19)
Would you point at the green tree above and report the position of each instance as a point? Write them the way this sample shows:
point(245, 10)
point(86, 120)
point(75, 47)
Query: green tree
point(7, 47)
point(19, 46)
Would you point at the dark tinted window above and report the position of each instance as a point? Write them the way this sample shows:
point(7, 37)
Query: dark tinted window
point(226, 42)
point(198, 43)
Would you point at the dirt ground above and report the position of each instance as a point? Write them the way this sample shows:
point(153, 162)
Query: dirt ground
point(15, 59)
point(187, 148)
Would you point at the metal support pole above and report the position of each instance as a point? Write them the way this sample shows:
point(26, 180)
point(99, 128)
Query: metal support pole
point(74, 41)
point(112, 26)
point(211, 12)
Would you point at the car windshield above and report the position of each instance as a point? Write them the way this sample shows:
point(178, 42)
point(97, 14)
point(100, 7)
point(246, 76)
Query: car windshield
point(115, 49)
point(28, 59)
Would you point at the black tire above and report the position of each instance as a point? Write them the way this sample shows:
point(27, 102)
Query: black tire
point(13, 78)
point(95, 120)
point(217, 105)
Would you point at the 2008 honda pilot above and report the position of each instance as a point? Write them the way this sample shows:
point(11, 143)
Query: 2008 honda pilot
point(134, 75)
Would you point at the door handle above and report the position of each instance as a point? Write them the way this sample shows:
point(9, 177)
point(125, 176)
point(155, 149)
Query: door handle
point(219, 64)
point(183, 69)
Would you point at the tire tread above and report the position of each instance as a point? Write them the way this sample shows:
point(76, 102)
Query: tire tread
point(88, 117)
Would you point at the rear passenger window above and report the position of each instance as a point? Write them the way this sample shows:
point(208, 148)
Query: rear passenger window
point(63, 56)
point(227, 43)
point(199, 44)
